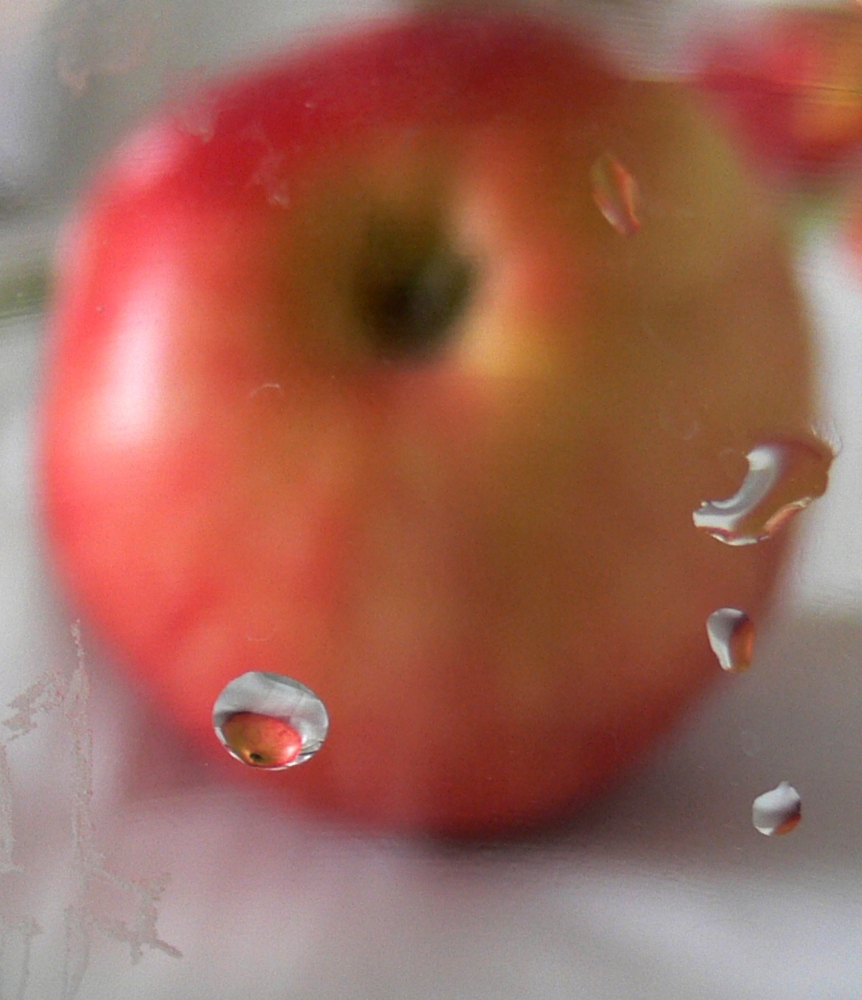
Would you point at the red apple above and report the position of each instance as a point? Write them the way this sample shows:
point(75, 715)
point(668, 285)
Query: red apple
point(792, 86)
point(352, 380)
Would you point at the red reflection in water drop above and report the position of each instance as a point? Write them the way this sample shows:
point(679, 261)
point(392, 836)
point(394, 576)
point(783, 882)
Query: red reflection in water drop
point(731, 636)
point(617, 194)
point(261, 740)
point(778, 811)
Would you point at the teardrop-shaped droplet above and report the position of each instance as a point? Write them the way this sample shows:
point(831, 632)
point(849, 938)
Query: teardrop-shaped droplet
point(269, 721)
point(778, 811)
point(731, 636)
point(783, 478)
point(617, 194)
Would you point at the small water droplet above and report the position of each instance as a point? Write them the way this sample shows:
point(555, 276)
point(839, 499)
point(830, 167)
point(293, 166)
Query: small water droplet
point(617, 194)
point(270, 175)
point(783, 478)
point(199, 117)
point(268, 390)
point(271, 172)
point(778, 811)
point(690, 431)
point(731, 636)
point(269, 721)
point(102, 37)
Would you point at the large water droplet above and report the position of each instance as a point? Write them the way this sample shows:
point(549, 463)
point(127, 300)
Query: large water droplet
point(731, 635)
point(783, 478)
point(778, 811)
point(617, 194)
point(269, 720)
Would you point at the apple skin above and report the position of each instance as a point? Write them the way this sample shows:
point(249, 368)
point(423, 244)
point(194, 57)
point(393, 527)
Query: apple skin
point(478, 550)
point(791, 86)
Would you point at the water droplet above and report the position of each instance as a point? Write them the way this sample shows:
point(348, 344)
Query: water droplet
point(270, 173)
point(199, 117)
point(783, 478)
point(778, 811)
point(194, 106)
point(731, 635)
point(99, 38)
point(268, 390)
point(617, 194)
point(269, 721)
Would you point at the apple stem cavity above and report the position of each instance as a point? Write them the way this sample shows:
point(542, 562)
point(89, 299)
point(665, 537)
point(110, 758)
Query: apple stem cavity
point(411, 290)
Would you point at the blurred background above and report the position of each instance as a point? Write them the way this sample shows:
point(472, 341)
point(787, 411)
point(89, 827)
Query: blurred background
point(74, 75)
point(127, 871)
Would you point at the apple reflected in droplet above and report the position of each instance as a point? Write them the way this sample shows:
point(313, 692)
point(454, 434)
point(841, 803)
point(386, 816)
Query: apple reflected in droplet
point(261, 740)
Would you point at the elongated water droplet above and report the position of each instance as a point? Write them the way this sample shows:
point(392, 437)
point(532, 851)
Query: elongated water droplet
point(617, 194)
point(778, 811)
point(269, 721)
point(731, 635)
point(783, 478)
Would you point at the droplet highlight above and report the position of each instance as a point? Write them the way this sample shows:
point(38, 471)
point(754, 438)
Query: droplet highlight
point(731, 636)
point(617, 194)
point(270, 721)
point(783, 478)
point(778, 811)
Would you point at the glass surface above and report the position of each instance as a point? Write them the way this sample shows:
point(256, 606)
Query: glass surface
point(131, 867)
